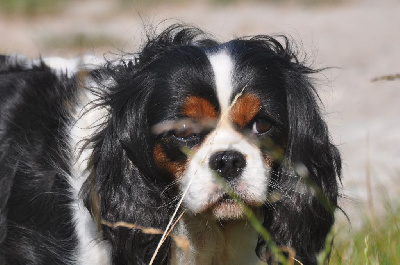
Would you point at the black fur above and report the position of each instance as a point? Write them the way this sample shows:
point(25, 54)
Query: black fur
point(125, 184)
point(35, 220)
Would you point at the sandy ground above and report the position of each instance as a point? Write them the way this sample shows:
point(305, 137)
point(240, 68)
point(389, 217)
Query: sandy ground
point(360, 38)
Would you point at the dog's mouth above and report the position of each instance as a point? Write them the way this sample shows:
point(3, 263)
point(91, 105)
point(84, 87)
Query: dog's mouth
point(227, 208)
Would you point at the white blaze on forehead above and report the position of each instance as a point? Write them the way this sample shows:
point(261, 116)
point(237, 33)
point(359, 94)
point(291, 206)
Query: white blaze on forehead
point(222, 65)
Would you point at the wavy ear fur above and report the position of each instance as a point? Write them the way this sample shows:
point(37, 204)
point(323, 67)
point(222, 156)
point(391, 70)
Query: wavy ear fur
point(309, 174)
point(124, 178)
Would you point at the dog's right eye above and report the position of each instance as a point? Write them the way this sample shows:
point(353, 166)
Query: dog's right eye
point(184, 132)
point(186, 129)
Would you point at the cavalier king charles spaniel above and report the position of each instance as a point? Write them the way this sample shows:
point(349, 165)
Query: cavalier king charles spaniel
point(96, 158)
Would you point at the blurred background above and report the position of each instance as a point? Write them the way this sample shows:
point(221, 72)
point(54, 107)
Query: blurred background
point(359, 39)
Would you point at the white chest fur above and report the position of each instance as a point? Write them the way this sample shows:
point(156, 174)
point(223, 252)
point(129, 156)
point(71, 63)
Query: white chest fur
point(215, 243)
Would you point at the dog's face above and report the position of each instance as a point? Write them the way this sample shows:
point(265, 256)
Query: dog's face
point(218, 117)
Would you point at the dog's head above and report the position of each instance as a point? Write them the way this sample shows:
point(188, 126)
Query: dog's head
point(206, 120)
point(218, 117)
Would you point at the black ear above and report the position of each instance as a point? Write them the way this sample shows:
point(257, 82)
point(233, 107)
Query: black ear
point(309, 174)
point(122, 186)
point(125, 184)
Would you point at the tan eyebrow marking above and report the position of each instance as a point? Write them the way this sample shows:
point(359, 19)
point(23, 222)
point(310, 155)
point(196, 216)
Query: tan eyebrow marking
point(199, 108)
point(245, 109)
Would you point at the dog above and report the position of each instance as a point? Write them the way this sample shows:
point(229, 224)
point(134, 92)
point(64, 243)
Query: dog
point(223, 134)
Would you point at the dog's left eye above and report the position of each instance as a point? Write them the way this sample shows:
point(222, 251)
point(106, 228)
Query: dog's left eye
point(261, 125)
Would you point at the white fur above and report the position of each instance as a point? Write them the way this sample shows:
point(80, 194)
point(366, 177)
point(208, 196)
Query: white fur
point(70, 67)
point(60, 66)
point(14, 60)
point(91, 249)
point(222, 66)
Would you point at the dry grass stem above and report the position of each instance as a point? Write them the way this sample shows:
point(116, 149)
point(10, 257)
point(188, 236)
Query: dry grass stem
point(386, 78)
point(298, 261)
point(190, 182)
point(185, 246)
point(180, 240)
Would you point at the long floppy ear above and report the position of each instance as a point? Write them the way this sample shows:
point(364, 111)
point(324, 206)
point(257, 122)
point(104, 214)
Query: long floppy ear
point(310, 172)
point(122, 186)
point(124, 179)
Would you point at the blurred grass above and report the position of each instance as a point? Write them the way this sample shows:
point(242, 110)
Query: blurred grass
point(377, 241)
point(230, 2)
point(31, 7)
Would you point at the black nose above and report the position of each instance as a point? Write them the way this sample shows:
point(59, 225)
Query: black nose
point(228, 164)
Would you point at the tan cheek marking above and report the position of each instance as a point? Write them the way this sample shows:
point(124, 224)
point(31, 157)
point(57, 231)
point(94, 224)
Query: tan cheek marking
point(199, 108)
point(163, 162)
point(245, 109)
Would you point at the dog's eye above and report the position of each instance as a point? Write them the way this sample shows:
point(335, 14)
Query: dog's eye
point(184, 131)
point(262, 125)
